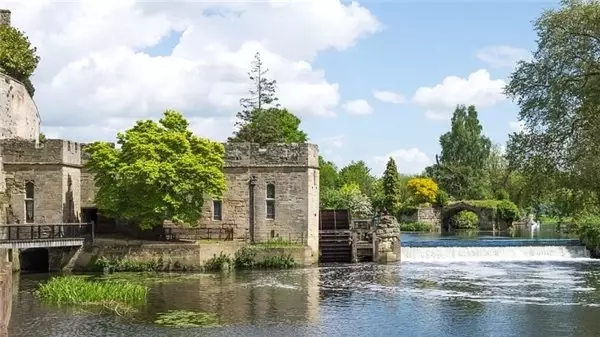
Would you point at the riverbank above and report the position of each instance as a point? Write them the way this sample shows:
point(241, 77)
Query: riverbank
point(115, 255)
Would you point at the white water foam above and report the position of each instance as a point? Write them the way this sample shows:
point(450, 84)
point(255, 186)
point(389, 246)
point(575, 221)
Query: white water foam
point(518, 253)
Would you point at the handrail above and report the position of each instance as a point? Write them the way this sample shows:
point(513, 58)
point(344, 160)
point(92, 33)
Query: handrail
point(46, 231)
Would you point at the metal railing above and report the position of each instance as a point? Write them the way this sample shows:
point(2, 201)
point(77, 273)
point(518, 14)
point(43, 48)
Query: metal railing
point(195, 234)
point(29, 232)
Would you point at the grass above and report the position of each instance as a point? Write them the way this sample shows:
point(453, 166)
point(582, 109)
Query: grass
point(417, 226)
point(116, 296)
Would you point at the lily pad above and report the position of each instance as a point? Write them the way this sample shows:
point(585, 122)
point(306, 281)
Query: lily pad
point(187, 319)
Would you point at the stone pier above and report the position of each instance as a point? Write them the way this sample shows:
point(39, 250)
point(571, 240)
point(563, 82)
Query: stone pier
point(387, 240)
point(5, 293)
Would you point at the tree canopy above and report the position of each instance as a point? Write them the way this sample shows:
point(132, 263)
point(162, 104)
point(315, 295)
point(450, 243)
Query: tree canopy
point(461, 167)
point(18, 58)
point(558, 92)
point(261, 93)
point(391, 187)
point(273, 125)
point(161, 171)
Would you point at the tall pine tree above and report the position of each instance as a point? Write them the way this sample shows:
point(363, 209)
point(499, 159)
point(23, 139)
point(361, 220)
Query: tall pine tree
point(261, 93)
point(391, 187)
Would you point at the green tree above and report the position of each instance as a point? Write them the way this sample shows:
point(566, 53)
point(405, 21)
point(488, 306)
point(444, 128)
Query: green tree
point(391, 187)
point(460, 169)
point(161, 171)
point(558, 92)
point(261, 94)
point(358, 173)
point(273, 125)
point(348, 197)
point(18, 58)
point(328, 174)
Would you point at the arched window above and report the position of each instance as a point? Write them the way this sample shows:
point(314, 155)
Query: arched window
point(270, 201)
point(29, 201)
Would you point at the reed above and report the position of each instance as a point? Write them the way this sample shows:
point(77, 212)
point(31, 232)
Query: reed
point(118, 296)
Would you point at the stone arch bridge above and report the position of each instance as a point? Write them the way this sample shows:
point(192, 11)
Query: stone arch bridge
point(487, 216)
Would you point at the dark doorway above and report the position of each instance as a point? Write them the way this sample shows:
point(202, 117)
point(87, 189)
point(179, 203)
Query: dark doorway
point(34, 260)
point(89, 214)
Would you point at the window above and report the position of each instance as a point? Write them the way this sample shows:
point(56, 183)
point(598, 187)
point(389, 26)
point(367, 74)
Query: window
point(217, 210)
point(270, 201)
point(29, 189)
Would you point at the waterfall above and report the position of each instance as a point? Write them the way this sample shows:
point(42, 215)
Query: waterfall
point(498, 253)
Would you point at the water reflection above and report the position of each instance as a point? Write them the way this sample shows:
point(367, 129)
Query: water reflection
point(413, 299)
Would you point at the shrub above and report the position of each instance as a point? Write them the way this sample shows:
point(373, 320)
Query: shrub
point(588, 229)
point(501, 194)
point(417, 226)
point(18, 58)
point(442, 198)
point(508, 211)
point(423, 190)
point(465, 220)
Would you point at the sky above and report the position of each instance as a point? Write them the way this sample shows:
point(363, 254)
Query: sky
point(370, 80)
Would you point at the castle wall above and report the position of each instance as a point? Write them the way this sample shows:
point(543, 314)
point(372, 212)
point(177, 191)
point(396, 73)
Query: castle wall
point(293, 169)
point(19, 116)
point(54, 168)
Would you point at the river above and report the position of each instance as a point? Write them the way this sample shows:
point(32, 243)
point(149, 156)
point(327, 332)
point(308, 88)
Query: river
point(541, 298)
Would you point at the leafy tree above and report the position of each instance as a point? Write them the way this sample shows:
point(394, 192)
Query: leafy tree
point(18, 58)
point(348, 197)
point(262, 92)
point(423, 190)
point(558, 92)
point(160, 172)
point(328, 174)
point(460, 169)
point(358, 173)
point(391, 187)
point(273, 125)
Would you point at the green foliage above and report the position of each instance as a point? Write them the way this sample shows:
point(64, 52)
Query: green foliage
point(442, 198)
point(261, 93)
point(501, 194)
point(328, 178)
point(42, 138)
point(218, 262)
point(508, 211)
point(109, 265)
point(161, 172)
point(272, 125)
point(465, 220)
point(461, 169)
point(588, 229)
point(112, 295)
point(407, 210)
point(391, 187)
point(246, 258)
point(558, 95)
point(348, 197)
point(18, 58)
point(423, 190)
point(417, 226)
point(357, 172)
point(187, 319)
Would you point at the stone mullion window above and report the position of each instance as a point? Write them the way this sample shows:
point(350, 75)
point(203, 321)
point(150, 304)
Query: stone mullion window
point(29, 202)
point(270, 200)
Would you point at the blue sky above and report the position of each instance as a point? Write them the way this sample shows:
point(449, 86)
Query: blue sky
point(122, 61)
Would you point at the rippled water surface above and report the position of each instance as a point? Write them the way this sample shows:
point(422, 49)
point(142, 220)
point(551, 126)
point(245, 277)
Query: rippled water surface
point(410, 299)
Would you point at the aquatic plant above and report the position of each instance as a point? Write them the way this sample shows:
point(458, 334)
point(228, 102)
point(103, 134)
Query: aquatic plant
point(111, 265)
point(219, 262)
point(186, 319)
point(246, 258)
point(120, 297)
point(417, 226)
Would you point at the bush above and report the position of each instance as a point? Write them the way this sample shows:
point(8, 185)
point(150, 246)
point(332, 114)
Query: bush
point(442, 199)
point(418, 226)
point(18, 58)
point(501, 194)
point(423, 190)
point(465, 220)
point(508, 211)
point(407, 211)
point(588, 229)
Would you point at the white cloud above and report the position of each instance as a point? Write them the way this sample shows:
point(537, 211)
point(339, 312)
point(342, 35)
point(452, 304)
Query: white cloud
point(332, 142)
point(478, 89)
point(389, 97)
point(94, 67)
point(409, 161)
point(502, 56)
point(358, 107)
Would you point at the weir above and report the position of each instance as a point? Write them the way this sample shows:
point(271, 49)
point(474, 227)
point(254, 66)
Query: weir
point(493, 250)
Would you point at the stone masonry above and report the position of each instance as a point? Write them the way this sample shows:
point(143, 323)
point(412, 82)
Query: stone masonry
point(53, 167)
point(293, 169)
point(388, 240)
point(4, 17)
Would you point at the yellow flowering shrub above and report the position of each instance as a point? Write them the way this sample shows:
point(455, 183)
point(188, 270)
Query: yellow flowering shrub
point(423, 190)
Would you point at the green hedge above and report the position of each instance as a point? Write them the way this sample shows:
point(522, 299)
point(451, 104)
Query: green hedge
point(418, 226)
point(588, 229)
point(465, 220)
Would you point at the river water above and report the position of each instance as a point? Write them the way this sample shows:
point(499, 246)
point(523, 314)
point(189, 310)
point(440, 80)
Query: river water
point(541, 298)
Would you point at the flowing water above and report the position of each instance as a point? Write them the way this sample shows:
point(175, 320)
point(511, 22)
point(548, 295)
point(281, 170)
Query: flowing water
point(485, 298)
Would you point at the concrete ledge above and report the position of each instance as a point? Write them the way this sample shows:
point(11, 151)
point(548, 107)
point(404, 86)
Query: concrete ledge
point(25, 244)
point(492, 243)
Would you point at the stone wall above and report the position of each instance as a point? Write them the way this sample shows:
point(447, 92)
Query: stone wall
point(5, 293)
point(54, 168)
point(19, 116)
point(4, 17)
point(88, 188)
point(293, 169)
point(431, 215)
